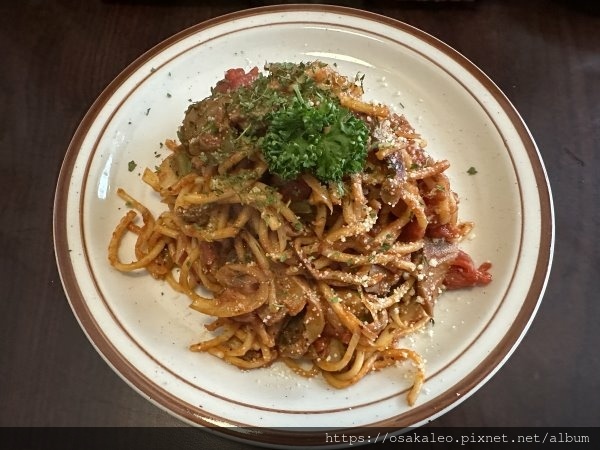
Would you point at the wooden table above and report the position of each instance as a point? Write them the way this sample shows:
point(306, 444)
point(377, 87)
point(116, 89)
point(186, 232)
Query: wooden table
point(57, 56)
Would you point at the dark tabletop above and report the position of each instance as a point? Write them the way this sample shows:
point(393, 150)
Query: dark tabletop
point(57, 56)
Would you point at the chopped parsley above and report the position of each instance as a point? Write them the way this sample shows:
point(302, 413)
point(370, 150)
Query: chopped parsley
point(131, 165)
point(385, 247)
point(472, 170)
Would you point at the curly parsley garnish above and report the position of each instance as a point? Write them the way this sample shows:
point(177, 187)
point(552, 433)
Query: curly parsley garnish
point(322, 138)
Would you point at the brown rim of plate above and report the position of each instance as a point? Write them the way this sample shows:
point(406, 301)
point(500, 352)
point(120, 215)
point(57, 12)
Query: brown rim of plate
point(195, 415)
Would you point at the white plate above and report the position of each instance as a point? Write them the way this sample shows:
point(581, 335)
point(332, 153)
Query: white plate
point(142, 329)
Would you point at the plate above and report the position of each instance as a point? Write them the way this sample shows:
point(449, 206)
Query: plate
point(143, 329)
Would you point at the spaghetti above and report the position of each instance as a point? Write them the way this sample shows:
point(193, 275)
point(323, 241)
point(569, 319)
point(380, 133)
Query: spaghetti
point(324, 275)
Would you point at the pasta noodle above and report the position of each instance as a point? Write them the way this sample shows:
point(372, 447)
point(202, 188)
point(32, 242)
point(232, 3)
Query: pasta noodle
point(326, 276)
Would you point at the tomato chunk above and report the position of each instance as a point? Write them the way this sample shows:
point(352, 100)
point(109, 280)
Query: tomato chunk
point(463, 273)
point(236, 78)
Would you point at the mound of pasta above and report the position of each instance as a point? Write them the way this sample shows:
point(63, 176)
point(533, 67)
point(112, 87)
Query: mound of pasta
point(311, 224)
